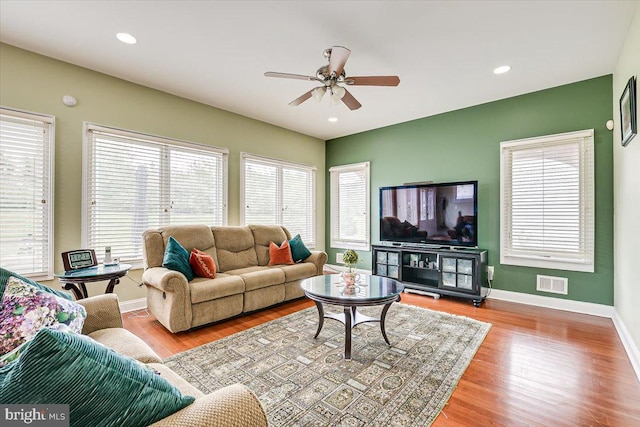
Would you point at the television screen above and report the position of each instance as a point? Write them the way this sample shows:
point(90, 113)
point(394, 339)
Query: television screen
point(434, 214)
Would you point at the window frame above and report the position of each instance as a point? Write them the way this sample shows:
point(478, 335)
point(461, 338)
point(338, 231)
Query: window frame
point(279, 163)
point(584, 261)
point(165, 143)
point(48, 123)
point(335, 242)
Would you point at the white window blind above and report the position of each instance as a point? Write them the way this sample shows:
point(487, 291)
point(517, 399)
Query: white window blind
point(350, 218)
point(135, 182)
point(26, 193)
point(547, 202)
point(279, 193)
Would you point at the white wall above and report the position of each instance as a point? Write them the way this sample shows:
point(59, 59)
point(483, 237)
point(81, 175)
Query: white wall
point(626, 172)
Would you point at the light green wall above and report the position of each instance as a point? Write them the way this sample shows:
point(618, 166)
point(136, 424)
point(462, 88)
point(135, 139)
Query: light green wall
point(35, 83)
point(464, 145)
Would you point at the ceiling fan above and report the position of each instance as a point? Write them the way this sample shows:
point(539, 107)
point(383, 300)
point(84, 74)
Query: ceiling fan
point(332, 74)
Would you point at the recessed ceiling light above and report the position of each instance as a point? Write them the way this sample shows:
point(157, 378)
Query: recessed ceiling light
point(333, 119)
point(501, 70)
point(126, 38)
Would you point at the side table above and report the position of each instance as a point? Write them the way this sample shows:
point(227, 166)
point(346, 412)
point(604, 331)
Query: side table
point(75, 280)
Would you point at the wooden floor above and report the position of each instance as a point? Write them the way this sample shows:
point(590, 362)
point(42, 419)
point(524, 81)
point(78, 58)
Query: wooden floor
point(536, 367)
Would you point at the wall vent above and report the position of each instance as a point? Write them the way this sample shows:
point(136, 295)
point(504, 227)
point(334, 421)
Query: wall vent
point(556, 285)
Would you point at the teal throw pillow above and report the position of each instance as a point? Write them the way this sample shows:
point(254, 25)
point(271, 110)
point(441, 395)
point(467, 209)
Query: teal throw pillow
point(101, 387)
point(26, 309)
point(4, 277)
point(176, 257)
point(299, 251)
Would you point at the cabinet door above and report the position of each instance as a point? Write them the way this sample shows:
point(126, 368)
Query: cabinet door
point(457, 273)
point(381, 257)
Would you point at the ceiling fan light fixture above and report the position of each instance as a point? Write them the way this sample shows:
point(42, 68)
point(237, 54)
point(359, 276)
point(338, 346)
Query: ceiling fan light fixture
point(332, 119)
point(337, 93)
point(318, 93)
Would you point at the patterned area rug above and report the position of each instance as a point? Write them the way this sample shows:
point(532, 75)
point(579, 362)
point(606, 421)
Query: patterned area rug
point(305, 382)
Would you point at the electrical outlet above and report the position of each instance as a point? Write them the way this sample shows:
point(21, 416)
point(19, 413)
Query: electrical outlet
point(490, 272)
point(339, 257)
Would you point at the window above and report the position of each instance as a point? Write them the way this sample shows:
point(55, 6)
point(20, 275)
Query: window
point(547, 202)
point(279, 193)
point(134, 182)
point(350, 218)
point(26, 193)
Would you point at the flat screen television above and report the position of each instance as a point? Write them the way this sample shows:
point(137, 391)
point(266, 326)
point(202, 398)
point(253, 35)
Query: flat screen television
point(444, 214)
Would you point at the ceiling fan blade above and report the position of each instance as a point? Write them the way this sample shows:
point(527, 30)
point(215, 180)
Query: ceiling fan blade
point(299, 100)
point(289, 76)
point(373, 81)
point(350, 101)
point(338, 58)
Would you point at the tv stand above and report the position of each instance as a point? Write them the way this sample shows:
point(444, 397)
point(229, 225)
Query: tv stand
point(435, 271)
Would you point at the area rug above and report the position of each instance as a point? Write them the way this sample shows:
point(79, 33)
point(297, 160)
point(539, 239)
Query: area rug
point(303, 381)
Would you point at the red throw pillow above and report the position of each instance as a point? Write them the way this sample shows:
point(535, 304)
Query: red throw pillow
point(280, 254)
point(202, 264)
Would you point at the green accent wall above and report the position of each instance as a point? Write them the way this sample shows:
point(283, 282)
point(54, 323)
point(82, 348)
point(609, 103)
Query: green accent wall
point(36, 83)
point(465, 145)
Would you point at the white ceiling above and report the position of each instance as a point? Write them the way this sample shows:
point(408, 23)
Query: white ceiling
point(216, 52)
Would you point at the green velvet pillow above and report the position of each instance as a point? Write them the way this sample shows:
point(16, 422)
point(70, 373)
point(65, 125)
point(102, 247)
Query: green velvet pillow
point(101, 387)
point(176, 258)
point(5, 274)
point(299, 251)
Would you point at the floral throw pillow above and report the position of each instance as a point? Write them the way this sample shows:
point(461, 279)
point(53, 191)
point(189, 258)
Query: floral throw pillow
point(26, 309)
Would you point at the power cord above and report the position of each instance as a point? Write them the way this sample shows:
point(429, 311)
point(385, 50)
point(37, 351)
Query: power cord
point(490, 287)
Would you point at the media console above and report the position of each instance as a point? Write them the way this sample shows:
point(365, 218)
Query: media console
point(435, 270)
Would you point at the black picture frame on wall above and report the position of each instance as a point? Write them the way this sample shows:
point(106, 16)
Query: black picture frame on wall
point(628, 122)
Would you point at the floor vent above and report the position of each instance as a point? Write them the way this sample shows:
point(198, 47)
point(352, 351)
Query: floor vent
point(556, 285)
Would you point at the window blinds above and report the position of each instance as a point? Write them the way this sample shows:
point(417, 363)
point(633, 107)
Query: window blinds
point(350, 218)
point(548, 201)
point(135, 182)
point(26, 193)
point(279, 193)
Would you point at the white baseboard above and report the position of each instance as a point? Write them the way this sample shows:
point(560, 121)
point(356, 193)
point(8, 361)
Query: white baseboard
point(600, 310)
point(629, 345)
point(133, 305)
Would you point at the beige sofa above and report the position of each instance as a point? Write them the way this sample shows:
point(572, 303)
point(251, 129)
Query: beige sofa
point(244, 281)
point(231, 406)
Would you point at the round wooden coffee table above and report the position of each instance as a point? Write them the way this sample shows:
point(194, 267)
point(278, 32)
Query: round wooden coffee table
point(369, 291)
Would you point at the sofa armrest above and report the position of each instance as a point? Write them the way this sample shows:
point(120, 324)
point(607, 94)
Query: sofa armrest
point(103, 311)
point(232, 406)
point(165, 280)
point(319, 258)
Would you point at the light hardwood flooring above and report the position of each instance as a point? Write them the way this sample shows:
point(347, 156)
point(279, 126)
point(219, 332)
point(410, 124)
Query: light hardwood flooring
point(536, 367)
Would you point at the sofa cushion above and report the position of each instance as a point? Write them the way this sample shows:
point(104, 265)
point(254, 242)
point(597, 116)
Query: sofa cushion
point(97, 383)
point(259, 277)
point(235, 247)
point(223, 285)
point(202, 264)
point(280, 254)
point(176, 258)
point(263, 235)
point(27, 309)
point(299, 252)
point(4, 277)
point(298, 271)
point(126, 343)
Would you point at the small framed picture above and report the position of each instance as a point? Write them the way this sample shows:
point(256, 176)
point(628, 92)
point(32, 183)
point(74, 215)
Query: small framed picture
point(628, 122)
